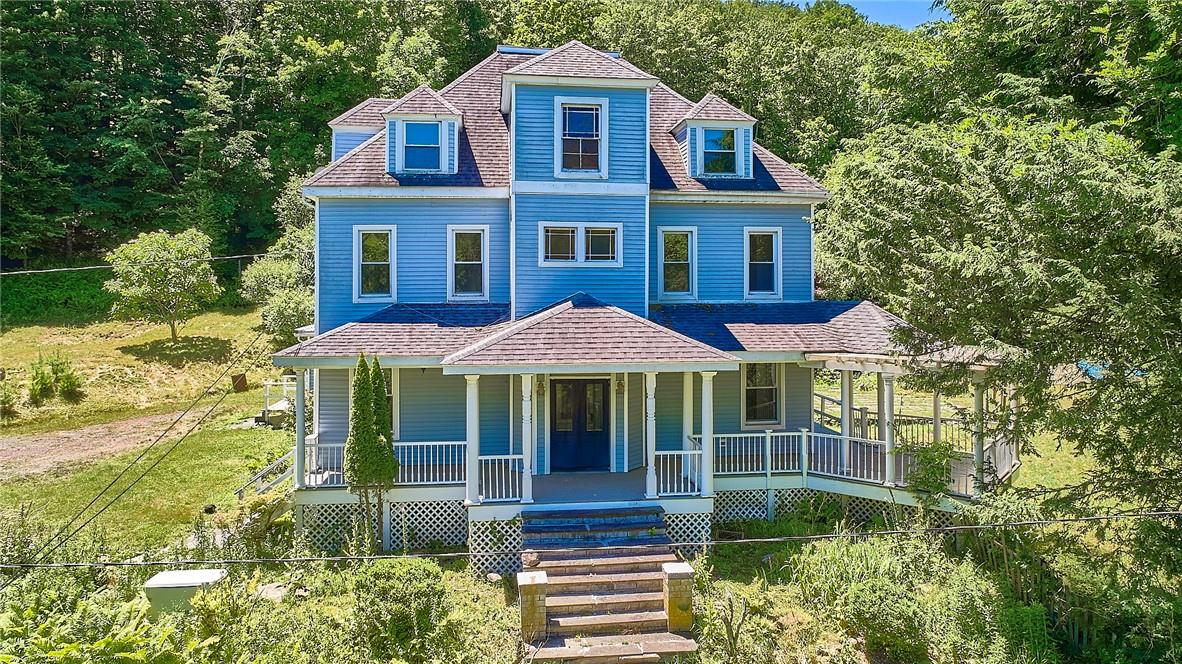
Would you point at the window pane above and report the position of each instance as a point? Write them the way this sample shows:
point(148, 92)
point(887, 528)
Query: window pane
point(594, 406)
point(676, 246)
point(421, 158)
point(719, 162)
point(677, 278)
point(761, 278)
point(560, 244)
point(375, 247)
point(422, 133)
point(761, 375)
point(469, 279)
point(564, 407)
point(581, 121)
point(761, 405)
point(601, 244)
point(375, 279)
point(580, 154)
point(762, 247)
point(720, 139)
point(468, 247)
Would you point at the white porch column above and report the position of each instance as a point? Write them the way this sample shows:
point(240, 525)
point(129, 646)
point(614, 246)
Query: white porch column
point(297, 466)
point(978, 437)
point(528, 436)
point(886, 422)
point(847, 418)
point(937, 417)
point(708, 433)
point(472, 450)
point(650, 433)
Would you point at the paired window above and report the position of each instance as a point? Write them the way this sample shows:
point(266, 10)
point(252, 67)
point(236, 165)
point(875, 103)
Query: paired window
point(580, 137)
point(718, 152)
point(373, 263)
point(761, 394)
point(580, 244)
point(762, 252)
point(467, 272)
point(421, 146)
point(677, 263)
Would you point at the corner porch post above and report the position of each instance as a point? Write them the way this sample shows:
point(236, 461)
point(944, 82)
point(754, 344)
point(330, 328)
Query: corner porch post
point(650, 433)
point(528, 436)
point(937, 417)
point(886, 422)
point(297, 467)
point(847, 418)
point(978, 437)
point(708, 433)
point(472, 440)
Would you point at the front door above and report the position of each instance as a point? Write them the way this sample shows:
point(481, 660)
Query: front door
point(579, 436)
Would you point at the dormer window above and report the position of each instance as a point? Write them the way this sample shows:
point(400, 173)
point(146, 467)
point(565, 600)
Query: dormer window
point(580, 141)
point(421, 149)
point(718, 152)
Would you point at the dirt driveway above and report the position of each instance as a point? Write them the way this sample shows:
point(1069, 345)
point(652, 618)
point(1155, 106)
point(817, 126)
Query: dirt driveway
point(28, 454)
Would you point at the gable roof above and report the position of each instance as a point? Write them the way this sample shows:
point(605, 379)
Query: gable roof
point(713, 107)
point(422, 100)
point(366, 114)
point(583, 330)
point(575, 58)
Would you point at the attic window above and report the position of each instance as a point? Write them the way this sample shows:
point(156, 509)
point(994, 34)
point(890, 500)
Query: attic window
point(718, 153)
point(580, 138)
point(421, 151)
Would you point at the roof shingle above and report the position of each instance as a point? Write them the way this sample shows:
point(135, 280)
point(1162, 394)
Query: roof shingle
point(422, 100)
point(366, 114)
point(419, 330)
point(713, 107)
point(575, 58)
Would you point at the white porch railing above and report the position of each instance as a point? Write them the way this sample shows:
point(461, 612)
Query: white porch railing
point(430, 463)
point(841, 456)
point(679, 472)
point(739, 453)
point(324, 463)
point(500, 478)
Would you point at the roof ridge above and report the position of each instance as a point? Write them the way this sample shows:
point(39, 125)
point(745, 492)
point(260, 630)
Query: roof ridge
point(522, 324)
point(337, 162)
point(576, 43)
point(675, 333)
point(710, 98)
point(424, 88)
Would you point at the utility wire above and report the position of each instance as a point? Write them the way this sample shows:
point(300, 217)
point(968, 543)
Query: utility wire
point(185, 261)
point(1159, 514)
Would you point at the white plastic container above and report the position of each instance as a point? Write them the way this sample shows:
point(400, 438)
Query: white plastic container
point(171, 590)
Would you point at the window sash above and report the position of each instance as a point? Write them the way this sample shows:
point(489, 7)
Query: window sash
point(680, 269)
point(372, 271)
point(590, 234)
point(580, 148)
point(717, 159)
point(761, 390)
point(422, 149)
point(554, 234)
point(761, 271)
point(468, 273)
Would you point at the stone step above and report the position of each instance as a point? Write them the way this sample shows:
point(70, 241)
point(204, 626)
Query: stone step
point(586, 604)
point(574, 519)
point(649, 527)
point(635, 547)
point(588, 545)
point(644, 562)
point(603, 649)
point(593, 513)
point(638, 622)
point(603, 584)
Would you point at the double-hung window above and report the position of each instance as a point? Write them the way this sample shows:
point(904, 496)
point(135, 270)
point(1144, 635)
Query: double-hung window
point(421, 150)
point(580, 137)
point(718, 152)
point(762, 270)
point(761, 394)
point(467, 273)
point(374, 270)
point(582, 243)
point(677, 275)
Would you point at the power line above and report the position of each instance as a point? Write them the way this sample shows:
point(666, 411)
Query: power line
point(469, 554)
point(184, 261)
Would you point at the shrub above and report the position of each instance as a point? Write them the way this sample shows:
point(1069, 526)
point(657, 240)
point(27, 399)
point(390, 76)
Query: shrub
point(8, 400)
point(66, 381)
point(399, 604)
point(888, 618)
point(286, 310)
point(40, 382)
point(57, 298)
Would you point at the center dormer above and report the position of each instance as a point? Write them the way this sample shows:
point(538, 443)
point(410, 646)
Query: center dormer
point(421, 134)
point(578, 116)
point(715, 140)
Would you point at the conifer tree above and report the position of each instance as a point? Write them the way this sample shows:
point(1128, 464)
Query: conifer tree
point(364, 444)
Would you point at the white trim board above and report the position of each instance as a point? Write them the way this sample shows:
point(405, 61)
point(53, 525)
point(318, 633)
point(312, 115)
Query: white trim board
point(317, 192)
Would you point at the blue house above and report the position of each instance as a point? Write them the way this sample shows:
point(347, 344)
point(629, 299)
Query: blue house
point(588, 290)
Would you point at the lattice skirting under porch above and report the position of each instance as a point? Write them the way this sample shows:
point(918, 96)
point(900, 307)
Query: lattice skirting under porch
point(495, 546)
point(789, 500)
point(688, 528)
point(329, 526)
point(427, 523)
point(740, 505)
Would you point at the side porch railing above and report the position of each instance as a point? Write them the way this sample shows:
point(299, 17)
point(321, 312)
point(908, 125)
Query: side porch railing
point(419, 463)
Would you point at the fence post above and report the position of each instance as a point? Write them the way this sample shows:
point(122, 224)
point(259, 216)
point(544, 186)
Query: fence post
point(767, 474)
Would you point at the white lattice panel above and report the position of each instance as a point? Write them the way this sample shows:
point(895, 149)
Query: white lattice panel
point(740, 505)
point(328, 526)
point(428, 523)
point(495, 546)
point(688, 528)
point(787, 500)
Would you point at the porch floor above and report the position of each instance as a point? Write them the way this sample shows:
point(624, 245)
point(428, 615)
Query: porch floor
point(589, 487)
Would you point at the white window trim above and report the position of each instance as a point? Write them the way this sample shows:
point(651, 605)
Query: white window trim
point(444, 146)
point(602, 103)
point(580, 243)
point(781, 402)
point(741, 155)
point(779, 264)
point(452, 229)
point(692, 295)
point(358, 298)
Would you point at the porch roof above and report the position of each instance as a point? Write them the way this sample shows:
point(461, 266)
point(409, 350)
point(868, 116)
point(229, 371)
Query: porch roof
point(581, 333)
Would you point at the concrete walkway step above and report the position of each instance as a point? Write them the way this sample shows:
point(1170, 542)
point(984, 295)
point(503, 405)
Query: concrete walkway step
point(603, 649)
point(637, 622)
point(590, 545)
point(586, 604)
point(575, 584)
point(643, 562)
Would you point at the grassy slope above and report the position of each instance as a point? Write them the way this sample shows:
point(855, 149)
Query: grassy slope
point(131, 369)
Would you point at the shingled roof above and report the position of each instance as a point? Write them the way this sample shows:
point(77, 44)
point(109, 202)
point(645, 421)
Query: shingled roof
point(366, 114)
point(713, 107)
point(583, 330)
point(422, 100)
point(575, 58)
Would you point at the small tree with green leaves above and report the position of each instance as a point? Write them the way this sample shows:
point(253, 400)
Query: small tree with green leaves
point(369, 467)
point(163, 278)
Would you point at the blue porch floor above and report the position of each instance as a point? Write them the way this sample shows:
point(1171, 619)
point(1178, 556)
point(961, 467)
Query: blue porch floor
point(589, 487)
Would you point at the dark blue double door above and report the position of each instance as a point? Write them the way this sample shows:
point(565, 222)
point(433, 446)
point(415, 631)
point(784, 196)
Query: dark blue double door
point(579, 422)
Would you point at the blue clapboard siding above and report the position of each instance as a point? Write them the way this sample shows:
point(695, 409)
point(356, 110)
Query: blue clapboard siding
point(332, 405)
point(343, 141)
point(535, 122)
point(720, 246)
point(421, 250)
point(391, 146)
point(538, 286)
point(432, 407)
point(745, 142)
